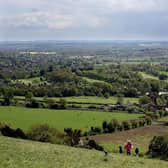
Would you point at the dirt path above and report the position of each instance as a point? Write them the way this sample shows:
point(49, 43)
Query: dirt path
point(140, 136)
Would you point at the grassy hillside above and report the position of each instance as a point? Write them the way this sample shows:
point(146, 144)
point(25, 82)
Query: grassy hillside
point(25, 117)
point(17, 153)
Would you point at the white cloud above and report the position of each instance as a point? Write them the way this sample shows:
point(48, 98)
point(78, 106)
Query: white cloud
point(37, 19)
point(82, 16)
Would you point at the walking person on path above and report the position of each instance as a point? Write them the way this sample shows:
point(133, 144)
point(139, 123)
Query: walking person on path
point(128, 147)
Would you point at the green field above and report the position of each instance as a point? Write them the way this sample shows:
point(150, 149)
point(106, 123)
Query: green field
point(35, 80)
point(147, 76)
point(16, 153)
point(93, 80)
point(24, 117)
point(89, 99)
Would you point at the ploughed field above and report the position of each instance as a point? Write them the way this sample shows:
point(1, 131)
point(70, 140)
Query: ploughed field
point(18, 153)
point(140, 137)
point(24, 118)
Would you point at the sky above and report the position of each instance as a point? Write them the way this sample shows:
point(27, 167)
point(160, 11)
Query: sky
point(83, 20)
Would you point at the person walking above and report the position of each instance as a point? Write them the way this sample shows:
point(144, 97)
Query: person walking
point(128, 147)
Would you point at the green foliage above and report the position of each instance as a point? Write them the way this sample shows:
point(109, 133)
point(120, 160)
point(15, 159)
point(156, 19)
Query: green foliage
point(159, 147)
point(6, 130)
point(120, 100)
point(44, 133)
point(8, 96)
point(126, 125)
point(33, 104)
point(93, 145)
point(29, 96)
point(73, 136)
point(144, 100)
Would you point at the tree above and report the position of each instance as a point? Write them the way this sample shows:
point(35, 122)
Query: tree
point(29, 96)
point(159, 147)
point(73, 136)
point(42, 72)
point(144, 100)
point(120, 100)
point(8, 96)
point(62, 103)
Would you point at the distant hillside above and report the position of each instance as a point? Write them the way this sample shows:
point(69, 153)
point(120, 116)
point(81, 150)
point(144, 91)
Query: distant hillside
point(17, 153)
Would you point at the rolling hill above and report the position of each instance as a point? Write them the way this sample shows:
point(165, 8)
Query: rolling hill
point(16, 153)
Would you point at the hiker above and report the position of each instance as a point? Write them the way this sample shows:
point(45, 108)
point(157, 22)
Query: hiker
point(120, 150)
point(105, 155)
point(128, 147)
point(137, 152)
point(81, 143)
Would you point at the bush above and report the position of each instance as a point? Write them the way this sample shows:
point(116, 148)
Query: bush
point(134, 124)
point(159, 147)
point(73, 136)
point(16, 133)
point(126, 125)
point(161, 113)
point(153, 116)
point(33, 104)
point(44, 133)
point(148, 120)
point(120, 127)
point(93, 145)
point(95, 130)
point(142, 122)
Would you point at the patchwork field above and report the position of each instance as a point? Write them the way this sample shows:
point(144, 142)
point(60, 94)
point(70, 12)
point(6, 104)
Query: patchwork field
point(25, 117)
point(17, 153)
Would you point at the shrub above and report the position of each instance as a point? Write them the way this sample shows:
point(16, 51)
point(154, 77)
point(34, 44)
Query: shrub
point(104, 125)
point(134, 124)
point(126, 125)
point(120, 127)
point(161, 113)
point(153, 116)
point(62, 104)
point(33, 104)
point(7, 131)
point(158, 147)
point(144, 100)
point(54, 106)
point(44, 133)
point(148, 120)
point(93, 145)
point(73, 136)
point(95, 130)
point(142, 122)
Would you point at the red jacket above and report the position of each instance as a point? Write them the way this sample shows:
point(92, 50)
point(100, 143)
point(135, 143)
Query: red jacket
point(128, 147)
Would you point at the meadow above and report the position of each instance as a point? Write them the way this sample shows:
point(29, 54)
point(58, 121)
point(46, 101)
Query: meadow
point(148, 76)
point(28, 154)
point(88, 99)
point(25, 117)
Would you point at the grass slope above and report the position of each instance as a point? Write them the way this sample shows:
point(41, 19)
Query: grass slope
point(17, 153)
point(25, 117)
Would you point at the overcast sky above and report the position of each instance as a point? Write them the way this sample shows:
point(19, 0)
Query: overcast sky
point(83, 19)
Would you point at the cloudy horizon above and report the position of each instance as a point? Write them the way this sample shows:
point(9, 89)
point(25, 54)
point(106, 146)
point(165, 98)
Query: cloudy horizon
point(83, 20)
